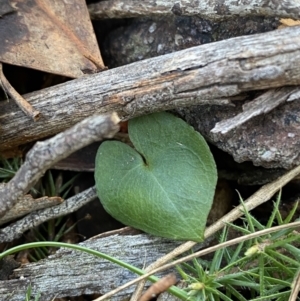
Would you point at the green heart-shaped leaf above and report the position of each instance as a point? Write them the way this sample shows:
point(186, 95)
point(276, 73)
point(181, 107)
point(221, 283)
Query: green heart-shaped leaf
point(165, 186)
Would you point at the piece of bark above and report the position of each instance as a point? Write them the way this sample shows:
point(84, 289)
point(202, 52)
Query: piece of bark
point(261, 105)
point(28, 204)
point(269, 140)
point(15, 230)
point(216, 9)
point(46, 153)
point(207, 74)
point(73, 273)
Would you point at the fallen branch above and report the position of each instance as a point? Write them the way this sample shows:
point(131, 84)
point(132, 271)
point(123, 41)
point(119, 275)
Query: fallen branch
point(45, 154)
point(207, 74)
point(215, 9)
point(26, 107)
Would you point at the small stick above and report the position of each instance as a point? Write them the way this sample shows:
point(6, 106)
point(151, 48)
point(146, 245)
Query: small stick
point(34, 219)
point(24, 105)
point(46, 153)
point(295, 287)
point(28, 204)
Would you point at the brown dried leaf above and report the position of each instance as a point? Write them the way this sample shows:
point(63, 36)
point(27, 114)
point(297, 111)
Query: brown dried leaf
point(52, 36)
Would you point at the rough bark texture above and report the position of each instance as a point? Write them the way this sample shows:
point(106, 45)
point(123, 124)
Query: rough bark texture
point(214, 9)
point(269, 140)
point(15, 230)
point(208, 74)
point(261, 105)
point(73, 273)
point(45, 154)
point(146, 38)
point(28, 204)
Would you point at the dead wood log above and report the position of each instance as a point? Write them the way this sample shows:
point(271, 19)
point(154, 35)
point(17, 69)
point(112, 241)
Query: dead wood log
point(216, 9)
point(207, 74)
point(73, 273)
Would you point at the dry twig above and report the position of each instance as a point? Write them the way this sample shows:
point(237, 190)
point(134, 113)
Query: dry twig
point(207, 74)
point(261, 105)
point(295, 287)
point(15, 230)
point(23, 104)
point(28, 204)
point(44, 154)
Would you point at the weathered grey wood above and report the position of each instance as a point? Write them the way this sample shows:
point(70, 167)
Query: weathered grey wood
point(212, 9)
point(205, 74)
point(35, 218)
point(261, 105)
point(73, 273)
point(28, 204)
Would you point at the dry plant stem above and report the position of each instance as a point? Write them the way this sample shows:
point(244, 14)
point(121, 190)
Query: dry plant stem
point(223, 245)
point(44, 154)
point(215, 9)
point(25, 106)
point(295, 287)
point(258, 198)
point(207, 74)
point(202, 253)
point(15, 230)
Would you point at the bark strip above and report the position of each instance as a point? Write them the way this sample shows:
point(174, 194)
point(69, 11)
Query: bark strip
point(34, 219)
